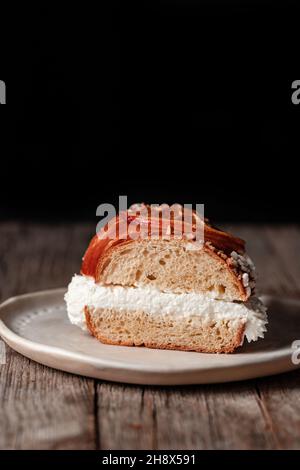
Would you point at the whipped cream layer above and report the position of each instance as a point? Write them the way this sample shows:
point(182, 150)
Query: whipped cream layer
point(83, 291)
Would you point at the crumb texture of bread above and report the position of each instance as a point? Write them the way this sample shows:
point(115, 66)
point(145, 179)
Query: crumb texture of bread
point(137, 328)
point(170, 265)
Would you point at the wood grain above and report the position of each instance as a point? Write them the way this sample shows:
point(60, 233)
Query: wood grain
point(281, 405)
point(42, 408)
point(209, 417)
point(125, 417)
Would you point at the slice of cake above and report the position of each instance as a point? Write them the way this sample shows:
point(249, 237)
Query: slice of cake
point(167, 292)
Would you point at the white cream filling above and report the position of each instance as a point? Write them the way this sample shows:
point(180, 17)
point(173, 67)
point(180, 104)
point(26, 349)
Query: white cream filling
point(83, 291)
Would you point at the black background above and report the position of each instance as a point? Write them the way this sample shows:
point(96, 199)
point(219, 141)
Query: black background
point(171, 101)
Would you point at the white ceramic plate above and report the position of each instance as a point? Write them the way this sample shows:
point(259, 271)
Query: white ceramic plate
point(36, 325)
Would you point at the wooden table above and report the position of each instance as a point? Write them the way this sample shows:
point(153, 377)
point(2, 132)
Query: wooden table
point(42, 408)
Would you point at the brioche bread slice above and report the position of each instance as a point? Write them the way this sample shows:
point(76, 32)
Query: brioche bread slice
point(172, 266)
point(144, 315)
point(138, 328)
point(217, 265)
point(167, 292)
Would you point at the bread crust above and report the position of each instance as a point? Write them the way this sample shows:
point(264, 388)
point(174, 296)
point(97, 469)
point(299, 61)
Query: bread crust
point(215, 267)
point(104, 241)
point(218, 245)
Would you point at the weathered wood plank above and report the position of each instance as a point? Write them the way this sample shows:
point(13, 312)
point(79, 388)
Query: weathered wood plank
point(273, 277)
point(42, 408)
point(210, 417)
point(202, 417)
point(279, 395)
point(275, 250)
point(280, 398)
point(285, 241)
point(277, 254)
point(125, 417)
point(35, 257)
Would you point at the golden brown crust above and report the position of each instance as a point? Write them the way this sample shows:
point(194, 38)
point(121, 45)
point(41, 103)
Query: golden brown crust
point(101, 246)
